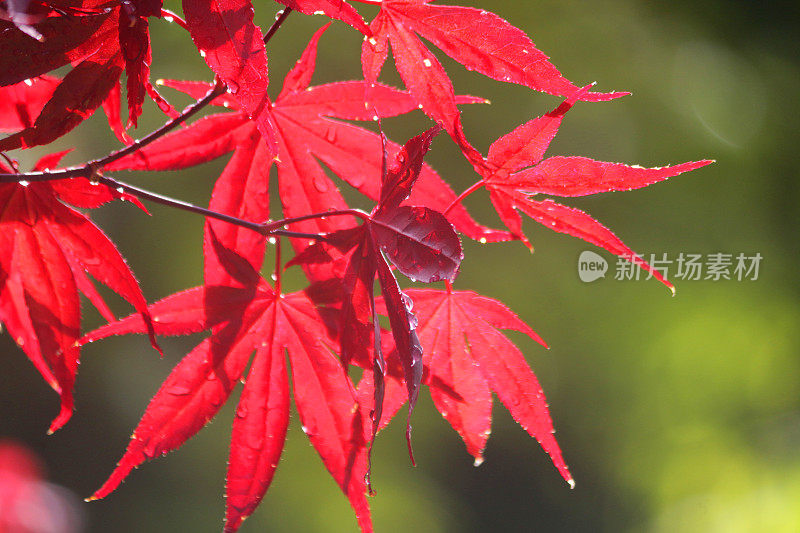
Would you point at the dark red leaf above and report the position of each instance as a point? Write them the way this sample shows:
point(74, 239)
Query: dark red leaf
point(67, 38)
point(420, 242)
point(81, 91)
point(134, 41)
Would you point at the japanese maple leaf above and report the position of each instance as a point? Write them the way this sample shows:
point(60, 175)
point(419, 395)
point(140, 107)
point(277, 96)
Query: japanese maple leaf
point(419, 241)
point(100, 39)
point(251, 319)
point(22, 102)
point(307, 134)
point(49, 249)
point(246, 315)
point(514, 173)
point(466, 357)
point(233, 47)
point(478, 39)
point(335, 9)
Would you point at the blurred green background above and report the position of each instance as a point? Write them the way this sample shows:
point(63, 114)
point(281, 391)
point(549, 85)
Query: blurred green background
point(674, 414)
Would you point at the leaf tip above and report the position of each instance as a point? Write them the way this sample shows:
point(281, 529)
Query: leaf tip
point(571, 483)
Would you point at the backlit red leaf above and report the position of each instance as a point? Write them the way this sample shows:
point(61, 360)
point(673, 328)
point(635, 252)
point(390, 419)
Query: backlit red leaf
point(233, 46)
point(22, 102)
point(335, 9)
point(466, 356)
point(52, 248)
point(513, 187)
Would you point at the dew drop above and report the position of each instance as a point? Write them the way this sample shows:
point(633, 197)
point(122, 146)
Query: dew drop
point(272, 240)
point(279, 14)
point(169, 19)
point(179, 390)
point(321, 184)
point(28, 82)
point(478, 462)
point(241, 411)
point(372, 41)
point(233, 87)
point(319, 12)
point(202, 53)
point(24, 183)
point(482, 240)
point(407, 301)
point(426, 62)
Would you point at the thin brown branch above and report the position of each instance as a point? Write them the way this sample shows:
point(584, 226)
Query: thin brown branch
point(277, 24)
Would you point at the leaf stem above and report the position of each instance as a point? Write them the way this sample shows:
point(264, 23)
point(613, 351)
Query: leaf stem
point(472, 188)
point(278, 267)
point(277, 24)
point(272, 227)
point(172, 17)
point(11, 163)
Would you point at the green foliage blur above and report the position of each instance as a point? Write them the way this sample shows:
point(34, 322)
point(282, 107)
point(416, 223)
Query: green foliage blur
point(674, 414)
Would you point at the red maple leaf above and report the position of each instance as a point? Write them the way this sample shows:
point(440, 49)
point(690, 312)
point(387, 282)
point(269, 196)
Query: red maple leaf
point(233, 46)
point(307, 134)
point(478, 39)
point(514, 174)
point(246, 315)
point(467, 358)
point(22, 102)
point(100, 39)
point(50, 248)
point(335, 9)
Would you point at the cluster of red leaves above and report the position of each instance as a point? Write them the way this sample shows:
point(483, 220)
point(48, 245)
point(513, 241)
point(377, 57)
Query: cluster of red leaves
point(447, 340)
